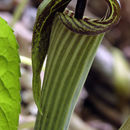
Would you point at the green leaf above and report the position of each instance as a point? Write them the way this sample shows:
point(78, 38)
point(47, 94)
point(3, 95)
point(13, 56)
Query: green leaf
point(9, 79)
point(126, 125)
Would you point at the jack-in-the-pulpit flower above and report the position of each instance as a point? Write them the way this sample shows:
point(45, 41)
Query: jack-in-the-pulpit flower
point(70, 43)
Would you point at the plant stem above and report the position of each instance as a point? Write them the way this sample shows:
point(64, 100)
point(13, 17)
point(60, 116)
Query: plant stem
point(26, 125)
point(80, 7)
point(28, 61)
point(18, 12)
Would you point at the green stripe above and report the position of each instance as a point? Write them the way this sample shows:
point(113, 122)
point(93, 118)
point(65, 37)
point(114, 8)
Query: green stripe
point(68, 60)
point(77, 73)
point(54, 73)
point(69, 90)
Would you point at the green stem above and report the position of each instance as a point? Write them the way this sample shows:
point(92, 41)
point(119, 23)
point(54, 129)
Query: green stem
point(26, 125)
point(28, 61)
point(18, 12)
point(121, 74)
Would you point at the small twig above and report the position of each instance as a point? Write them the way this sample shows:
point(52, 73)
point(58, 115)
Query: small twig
point(28, 61)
